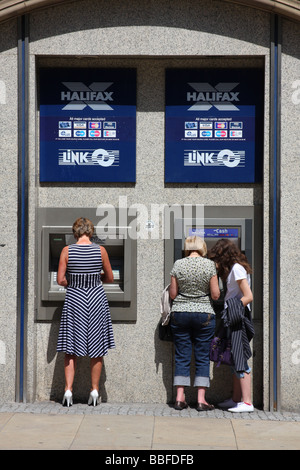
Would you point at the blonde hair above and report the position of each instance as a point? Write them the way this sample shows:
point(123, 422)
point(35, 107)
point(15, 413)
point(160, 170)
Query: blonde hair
point(195, 243)
point(82, 226)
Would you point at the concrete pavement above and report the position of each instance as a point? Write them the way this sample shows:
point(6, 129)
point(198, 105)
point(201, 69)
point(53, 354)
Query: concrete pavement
point(143, 427)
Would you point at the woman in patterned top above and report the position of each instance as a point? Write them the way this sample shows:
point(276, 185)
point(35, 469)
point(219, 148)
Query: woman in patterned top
point(194, 283)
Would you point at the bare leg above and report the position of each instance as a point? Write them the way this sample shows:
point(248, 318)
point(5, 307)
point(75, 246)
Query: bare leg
point(245, 383)
point(70, 367)
point(96, 369)
point(180, 393)
point(201, 395)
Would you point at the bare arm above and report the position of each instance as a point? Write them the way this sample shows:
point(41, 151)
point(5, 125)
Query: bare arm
point(108, 276)
point(247, 293)
point(173, 288)
point(62, 267)
point(214, 287)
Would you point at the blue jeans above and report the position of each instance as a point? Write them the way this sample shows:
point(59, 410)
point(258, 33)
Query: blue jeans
point(241, 374)
point(192, 328)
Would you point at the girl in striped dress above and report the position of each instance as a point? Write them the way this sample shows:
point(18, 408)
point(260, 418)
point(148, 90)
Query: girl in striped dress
point(86, 328)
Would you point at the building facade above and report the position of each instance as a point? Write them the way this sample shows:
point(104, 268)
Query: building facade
point(145, 48)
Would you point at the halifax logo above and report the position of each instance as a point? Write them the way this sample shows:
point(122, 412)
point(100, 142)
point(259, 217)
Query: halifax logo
point(206, 96)
point(80, 96)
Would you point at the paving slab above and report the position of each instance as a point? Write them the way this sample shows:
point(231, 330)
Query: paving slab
point(114, 432)
point(267, 435)
point(150, 428)
point(4, 418)
point(39, 432)
point(196, 434)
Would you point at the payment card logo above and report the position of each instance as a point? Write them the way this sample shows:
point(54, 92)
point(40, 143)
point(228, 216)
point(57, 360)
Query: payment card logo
point(94, 133)
point(206, 134)
point(220, 133)
point(79, 133)
point(94, 125)
point(221, 125)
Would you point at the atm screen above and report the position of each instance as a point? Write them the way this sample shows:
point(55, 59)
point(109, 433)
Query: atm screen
point(57, 242)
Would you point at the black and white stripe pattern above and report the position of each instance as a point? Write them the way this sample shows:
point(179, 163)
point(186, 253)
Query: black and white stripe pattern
point(241, 331)
point(85, 328)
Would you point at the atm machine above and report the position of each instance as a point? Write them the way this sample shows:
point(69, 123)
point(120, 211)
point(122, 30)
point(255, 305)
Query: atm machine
point(55, 232)
point(241, 224)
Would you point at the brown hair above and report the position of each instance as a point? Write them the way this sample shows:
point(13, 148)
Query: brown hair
point(82, 226)
point(225, 254)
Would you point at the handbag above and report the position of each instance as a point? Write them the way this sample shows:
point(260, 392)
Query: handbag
point(164, 327)
point(218, 305)
point(165, 332)
point(220, 349)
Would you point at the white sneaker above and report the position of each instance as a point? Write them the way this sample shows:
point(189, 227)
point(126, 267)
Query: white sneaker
point(242, 408)
point(229, 403)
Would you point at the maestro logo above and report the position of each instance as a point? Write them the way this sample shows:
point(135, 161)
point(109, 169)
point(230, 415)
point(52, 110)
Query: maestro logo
point(102, 157)
point(79, 96)
point(205, 96)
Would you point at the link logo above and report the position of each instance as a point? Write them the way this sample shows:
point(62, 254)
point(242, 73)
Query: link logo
point(228, 158)
point(105, 158)
point(80, 96)
point(206, 97)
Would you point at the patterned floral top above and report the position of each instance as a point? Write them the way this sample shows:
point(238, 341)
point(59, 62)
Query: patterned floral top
point(193, 275)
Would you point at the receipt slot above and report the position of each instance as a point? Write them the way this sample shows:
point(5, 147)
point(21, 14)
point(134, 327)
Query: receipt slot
point(55, 232)
point(240, 224)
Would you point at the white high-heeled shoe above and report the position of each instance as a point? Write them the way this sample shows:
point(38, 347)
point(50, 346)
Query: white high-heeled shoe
point(68, 397)
point(93, 398)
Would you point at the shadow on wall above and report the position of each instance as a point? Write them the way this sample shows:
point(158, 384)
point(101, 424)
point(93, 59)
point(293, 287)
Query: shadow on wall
point(82, 381)
point(163, 357)
point(221, 377)
point(234, 21)
point(220, 385)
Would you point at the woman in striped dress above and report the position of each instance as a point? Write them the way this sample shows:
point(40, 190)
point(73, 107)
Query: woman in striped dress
point(86, 328)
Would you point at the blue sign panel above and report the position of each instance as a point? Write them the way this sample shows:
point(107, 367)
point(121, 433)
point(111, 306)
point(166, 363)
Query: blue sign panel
point(220, 232)
point(87, 125)
point(214, 125)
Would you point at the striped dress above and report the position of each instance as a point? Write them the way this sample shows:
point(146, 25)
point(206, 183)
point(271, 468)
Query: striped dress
point(86, 328)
